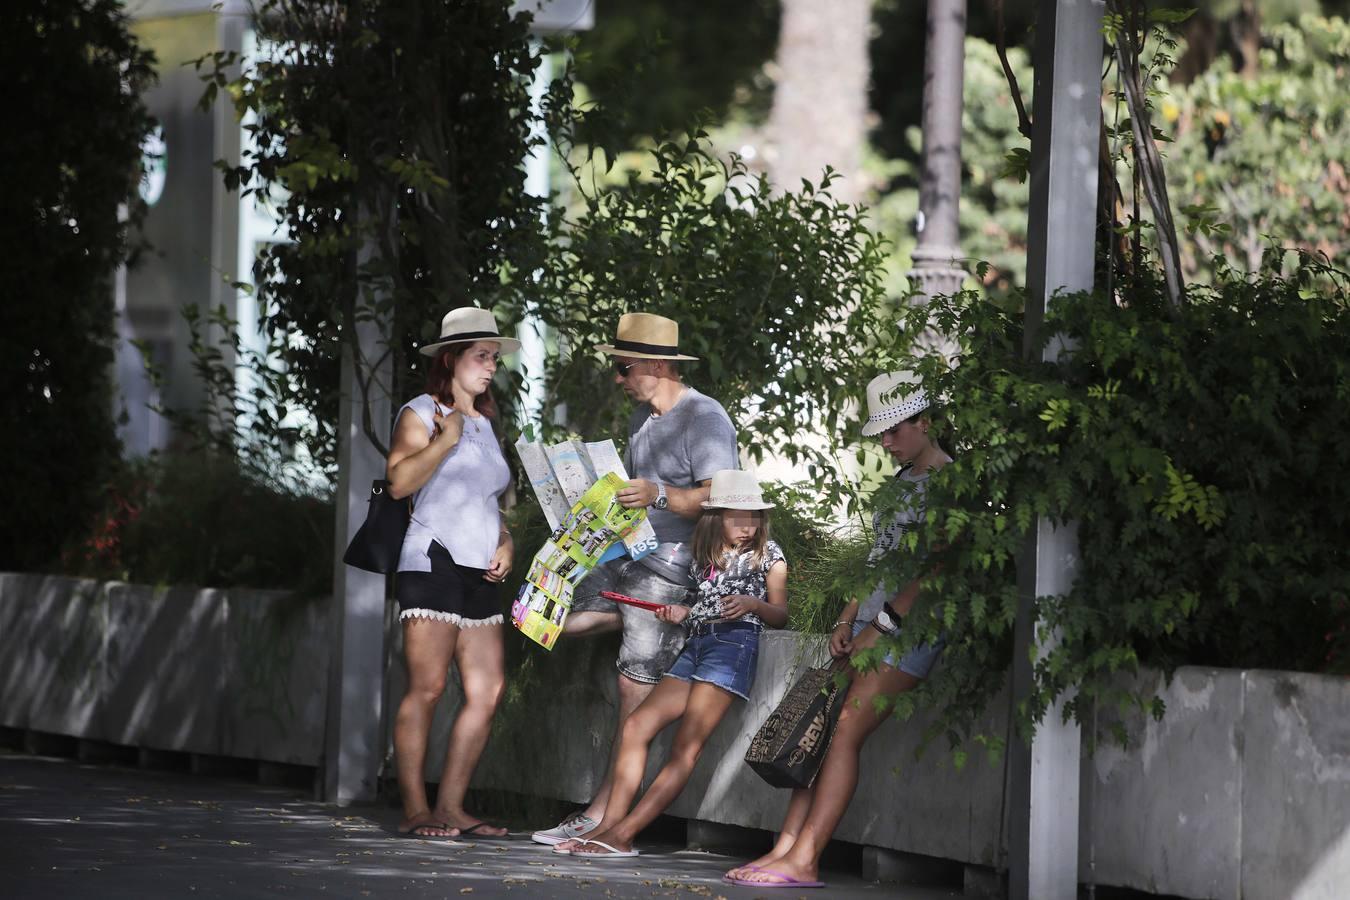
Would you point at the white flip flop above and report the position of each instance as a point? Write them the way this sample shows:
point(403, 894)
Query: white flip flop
point(613, 852)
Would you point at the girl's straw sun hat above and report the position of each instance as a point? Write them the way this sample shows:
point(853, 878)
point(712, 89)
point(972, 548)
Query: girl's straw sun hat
point(735, 489)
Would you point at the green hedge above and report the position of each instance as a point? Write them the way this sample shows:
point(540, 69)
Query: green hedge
point(1201, 452)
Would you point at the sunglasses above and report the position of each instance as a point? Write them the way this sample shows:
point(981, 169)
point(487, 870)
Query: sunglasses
point(623, 368)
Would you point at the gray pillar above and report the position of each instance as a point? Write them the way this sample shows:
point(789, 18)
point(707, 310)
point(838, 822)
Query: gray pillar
point(353, 749)
point(1061, 230)
point(936, 269)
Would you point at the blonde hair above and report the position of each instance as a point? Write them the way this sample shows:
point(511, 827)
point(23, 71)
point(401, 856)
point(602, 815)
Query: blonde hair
point(709, 540)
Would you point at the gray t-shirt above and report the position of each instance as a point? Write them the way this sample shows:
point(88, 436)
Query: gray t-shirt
point(694, 439)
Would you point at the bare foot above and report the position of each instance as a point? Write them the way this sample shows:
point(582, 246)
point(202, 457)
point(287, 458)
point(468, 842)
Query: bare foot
point(427, 825)
point(570, 844)
point(590, 845)
point(782, 872)
point(764, 862)
point(469, 826)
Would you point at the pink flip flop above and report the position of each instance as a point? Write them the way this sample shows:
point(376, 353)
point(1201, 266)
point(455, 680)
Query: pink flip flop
point(785, 881)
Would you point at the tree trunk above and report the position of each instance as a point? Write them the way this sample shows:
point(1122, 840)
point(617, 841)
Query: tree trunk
point(819, 114)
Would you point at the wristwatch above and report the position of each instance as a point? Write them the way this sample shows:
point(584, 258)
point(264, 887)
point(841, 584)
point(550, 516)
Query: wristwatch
point(660, 502)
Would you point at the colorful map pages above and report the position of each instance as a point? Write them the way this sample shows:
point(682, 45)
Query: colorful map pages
point(545, 486)
point(572, 469)
point(593, 525)
point(605, 460)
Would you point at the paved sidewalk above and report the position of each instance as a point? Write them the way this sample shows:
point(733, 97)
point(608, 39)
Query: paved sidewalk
point(73, 830)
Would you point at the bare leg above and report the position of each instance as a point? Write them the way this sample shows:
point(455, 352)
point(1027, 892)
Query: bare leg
point(793, 820)
point(587, 622)
point(482, 671)
point(838, 776)
point(631, 695)
point(706, 706)
point(428, 646)
point(665, 703)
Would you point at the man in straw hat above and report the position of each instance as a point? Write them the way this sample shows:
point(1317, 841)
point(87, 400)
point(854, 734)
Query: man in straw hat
point(677, 439)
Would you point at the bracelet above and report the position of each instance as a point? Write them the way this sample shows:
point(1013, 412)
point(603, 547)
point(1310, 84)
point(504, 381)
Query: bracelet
point(840, 622)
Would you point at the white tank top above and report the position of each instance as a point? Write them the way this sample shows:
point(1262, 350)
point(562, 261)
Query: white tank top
point(458, 507)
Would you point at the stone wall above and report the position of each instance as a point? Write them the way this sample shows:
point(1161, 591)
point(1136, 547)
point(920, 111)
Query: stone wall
point(1241, 791)
point(222, 673)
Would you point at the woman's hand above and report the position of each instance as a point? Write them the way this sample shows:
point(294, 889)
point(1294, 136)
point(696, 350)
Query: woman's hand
point(674, 613)
point(500, 566)
point(448, 427)
point(841, 640)
point(737, 605)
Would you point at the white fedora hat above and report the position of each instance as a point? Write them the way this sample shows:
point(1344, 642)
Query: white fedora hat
point(646, 336)
point(735, 489)
point(891, 399)
point(466, 325)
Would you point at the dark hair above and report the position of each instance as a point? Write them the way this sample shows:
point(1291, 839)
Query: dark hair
point(708, 537)
point(443, 371)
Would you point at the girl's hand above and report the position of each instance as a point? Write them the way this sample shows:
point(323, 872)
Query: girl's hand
point(738, 605)
point(841, 640)
point(673, 613)
point(500, 566)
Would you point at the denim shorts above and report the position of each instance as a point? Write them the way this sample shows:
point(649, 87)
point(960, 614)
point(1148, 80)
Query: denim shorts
point(917, 661)
point(722, 656)
point(649, 645)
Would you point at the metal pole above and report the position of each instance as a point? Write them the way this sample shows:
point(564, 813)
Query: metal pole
point(1061, 231)
point(936, 269)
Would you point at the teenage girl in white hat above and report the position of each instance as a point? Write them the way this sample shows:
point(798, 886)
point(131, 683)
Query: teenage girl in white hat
point(897, 413)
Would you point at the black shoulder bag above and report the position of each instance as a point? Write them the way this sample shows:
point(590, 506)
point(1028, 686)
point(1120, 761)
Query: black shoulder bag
point(377, 543)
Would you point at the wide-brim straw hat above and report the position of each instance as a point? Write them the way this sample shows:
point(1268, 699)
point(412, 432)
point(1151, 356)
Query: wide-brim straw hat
point(735, 489)
point(646, 336)
point(891, 399)
point(467, 325)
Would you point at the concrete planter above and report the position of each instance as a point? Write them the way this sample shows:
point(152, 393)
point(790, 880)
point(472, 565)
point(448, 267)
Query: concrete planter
point(1241, 792)
point(223, 673)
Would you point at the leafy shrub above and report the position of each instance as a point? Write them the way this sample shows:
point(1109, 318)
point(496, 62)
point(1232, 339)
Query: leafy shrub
point(202, 519)
point(1201, 453)
point(63, 175)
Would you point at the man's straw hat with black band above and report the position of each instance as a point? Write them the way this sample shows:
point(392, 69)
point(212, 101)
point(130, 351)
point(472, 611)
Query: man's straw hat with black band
point(646, 336)
point(891, 399)
point(467, 325)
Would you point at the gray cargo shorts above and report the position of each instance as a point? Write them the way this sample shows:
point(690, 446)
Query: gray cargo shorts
point(650, 646)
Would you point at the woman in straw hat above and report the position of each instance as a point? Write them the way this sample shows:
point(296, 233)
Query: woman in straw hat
point(446, 455)
point(741, 579)
point(898, 413)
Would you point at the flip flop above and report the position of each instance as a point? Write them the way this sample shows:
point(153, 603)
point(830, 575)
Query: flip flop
point(472, 831)
point(411, 833)
point(787, 881)
point(611, 852)
point(557, 848)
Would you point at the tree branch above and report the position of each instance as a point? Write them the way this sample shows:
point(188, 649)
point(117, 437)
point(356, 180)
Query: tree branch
point(1001, 45)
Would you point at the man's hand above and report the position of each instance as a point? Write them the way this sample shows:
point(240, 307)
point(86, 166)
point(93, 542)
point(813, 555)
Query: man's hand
point(639, 493)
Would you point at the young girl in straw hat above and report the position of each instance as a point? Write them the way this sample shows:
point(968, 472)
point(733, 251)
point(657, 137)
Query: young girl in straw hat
point(741, 579)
